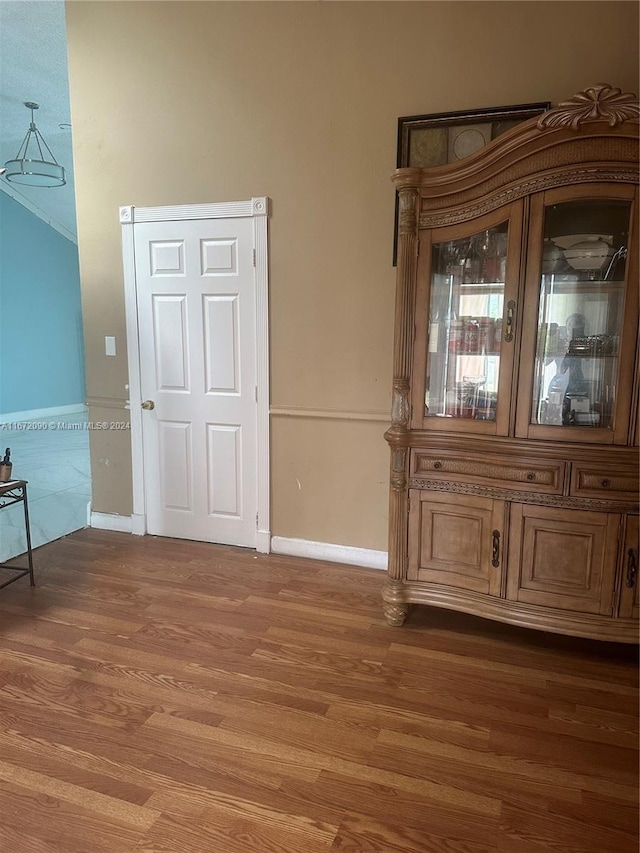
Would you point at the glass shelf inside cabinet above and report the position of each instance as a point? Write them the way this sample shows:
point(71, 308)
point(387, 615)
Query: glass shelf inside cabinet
point(465, 325)
point(582, 282)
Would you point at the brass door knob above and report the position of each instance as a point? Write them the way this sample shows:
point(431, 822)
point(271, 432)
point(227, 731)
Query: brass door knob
point(148, 404)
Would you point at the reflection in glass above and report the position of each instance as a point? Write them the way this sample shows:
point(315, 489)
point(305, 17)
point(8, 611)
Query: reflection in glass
point(580, 313)
point(465, 325)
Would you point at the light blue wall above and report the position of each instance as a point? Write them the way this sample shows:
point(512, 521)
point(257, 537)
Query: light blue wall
point(41, 342)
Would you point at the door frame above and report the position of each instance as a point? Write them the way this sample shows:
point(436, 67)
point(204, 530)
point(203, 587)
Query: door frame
point(258, 210)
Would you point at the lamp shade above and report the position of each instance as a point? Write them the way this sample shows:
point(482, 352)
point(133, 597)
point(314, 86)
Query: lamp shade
point(35, 173)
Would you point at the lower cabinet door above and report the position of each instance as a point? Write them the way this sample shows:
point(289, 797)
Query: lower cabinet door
point(629, 596)
point(456, 540)
point(562, 558)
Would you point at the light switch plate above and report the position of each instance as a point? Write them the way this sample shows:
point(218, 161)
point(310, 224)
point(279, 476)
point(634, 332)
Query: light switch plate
point(109, 345)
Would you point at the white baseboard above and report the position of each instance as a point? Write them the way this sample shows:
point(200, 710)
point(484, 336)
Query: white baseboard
point(279, 544)
point(333, 553)
point(111, 521)
point(42, 414)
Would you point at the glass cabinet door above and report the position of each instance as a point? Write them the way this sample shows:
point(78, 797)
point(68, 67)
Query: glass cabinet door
point(465, 325)
point(581, 302)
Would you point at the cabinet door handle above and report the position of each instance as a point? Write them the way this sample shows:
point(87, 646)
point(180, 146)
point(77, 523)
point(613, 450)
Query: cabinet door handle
point(511, 310)
point(495, 558)
point(632, 567)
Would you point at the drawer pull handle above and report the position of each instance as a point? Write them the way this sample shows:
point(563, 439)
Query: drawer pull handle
point(531, 476)
point(632, 567)
point(437, 466)
point(495, 558)
point(605, 483)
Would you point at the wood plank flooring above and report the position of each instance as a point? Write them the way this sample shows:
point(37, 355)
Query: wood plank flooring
point(159, 696)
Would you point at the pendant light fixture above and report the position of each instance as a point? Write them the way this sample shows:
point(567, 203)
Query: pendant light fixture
point(34, 171)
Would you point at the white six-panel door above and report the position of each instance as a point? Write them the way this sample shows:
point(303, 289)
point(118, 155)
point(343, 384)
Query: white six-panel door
point(196, 317)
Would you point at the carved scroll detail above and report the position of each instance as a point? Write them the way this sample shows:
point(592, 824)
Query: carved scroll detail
point(398, 459)
point(395, 614)
point(602, 102)
point(471, 211)
point(400, 409)
point(407, 211)
point(398, 479)
point(523, 497)
point(394, 604)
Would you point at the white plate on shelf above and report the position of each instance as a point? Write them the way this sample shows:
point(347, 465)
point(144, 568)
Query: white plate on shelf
point(571, 239)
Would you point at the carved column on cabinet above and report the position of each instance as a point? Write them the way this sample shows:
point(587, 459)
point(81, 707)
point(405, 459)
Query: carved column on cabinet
point(395, 609)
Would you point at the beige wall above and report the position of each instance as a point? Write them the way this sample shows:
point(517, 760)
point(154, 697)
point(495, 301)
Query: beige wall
point(188, 102)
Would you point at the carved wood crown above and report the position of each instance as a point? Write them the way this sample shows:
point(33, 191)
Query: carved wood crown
point(602, 102)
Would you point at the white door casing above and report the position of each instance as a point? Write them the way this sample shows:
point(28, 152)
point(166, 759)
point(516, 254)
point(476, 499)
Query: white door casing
point(196, 295)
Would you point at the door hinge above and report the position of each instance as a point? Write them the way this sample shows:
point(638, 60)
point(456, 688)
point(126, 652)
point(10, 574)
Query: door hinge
point(256, 521)
point(256, 393)
point(254, 257)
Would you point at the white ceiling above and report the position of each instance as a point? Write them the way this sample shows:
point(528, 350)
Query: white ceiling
point(33, 67)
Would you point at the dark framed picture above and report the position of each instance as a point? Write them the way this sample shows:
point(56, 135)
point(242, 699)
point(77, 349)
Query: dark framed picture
point(435, 140)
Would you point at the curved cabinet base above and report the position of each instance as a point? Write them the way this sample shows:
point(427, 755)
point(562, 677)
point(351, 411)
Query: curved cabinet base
point(397, 597)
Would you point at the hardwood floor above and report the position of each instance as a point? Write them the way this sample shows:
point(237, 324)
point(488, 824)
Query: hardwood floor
point(159, 696)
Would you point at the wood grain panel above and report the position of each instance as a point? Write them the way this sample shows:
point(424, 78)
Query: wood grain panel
point(563, 558)
point(451, 540)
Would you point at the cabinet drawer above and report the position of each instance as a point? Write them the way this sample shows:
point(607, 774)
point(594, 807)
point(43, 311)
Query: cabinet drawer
point(593, 481)
point(502, 472)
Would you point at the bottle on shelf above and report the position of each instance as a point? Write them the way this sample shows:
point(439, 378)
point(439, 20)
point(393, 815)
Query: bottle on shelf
point(485, 334)
point(490, 262)
point(6, 466)
point(456, 335)
point(471, 335)
point(472, 266)
point(434, 332)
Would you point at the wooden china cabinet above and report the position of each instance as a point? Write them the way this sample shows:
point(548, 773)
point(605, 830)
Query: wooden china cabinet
point(514, 437)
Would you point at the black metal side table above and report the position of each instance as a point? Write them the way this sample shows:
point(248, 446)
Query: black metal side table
point(14, 492)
